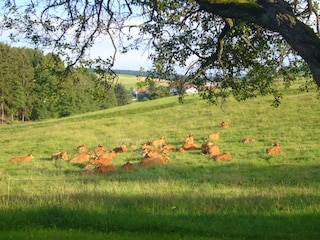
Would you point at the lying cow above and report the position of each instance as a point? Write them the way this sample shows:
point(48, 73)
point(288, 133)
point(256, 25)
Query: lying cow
point(100, 169)
point(150, 153)
point(111, 154)
point(224, 124)
point(81, 157)
point(60, 155)
point(146, 145)
point(99, 150)
point(275, 149)
point(158, 142)
point(189, 139)
point(166, 148)
point(26, 158)
point(128, 166)
point(205, 147)
point(185, 147)
point(213, 150)
point(160, 160)
point(81, 148)
point(101, 161)
point(221, 157)
point(121, 148)
point(246, 139)
point(213, 136)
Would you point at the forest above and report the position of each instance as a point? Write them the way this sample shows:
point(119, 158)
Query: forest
point(36, 86)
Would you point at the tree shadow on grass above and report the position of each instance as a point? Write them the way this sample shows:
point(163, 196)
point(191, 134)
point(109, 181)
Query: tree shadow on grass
point(250, 217)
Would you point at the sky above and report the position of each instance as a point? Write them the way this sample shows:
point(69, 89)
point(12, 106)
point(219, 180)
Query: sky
point(132, 60)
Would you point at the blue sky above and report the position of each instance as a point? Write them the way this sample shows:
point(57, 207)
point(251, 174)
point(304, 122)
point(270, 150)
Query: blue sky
point(132, 60)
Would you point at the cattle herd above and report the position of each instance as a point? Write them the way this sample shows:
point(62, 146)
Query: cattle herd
point(153, 153)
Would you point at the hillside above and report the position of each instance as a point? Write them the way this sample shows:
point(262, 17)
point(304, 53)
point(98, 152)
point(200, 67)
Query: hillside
point(191, 197)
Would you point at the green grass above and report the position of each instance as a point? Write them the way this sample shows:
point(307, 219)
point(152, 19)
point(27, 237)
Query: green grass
point(253, 196)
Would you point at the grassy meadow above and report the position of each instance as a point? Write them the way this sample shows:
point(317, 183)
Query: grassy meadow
point(252, 196)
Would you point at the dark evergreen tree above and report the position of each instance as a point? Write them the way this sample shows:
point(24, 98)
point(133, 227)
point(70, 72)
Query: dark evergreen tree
point(122, 94)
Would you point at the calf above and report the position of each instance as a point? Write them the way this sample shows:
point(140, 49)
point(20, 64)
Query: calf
point(111, 154)
point(101, 161)
point(122, 148)
point(99, 150)
point(166, 148)
point(160, 160)
point(185, 147)
point(128, 166)
point(100, 169)
point(213, 136)
point(150, 153)
point(246, 139)
point(60, 155)
point(189, 139)
point(213, 150)
point(81, 148)
point(221, 157)
point(205, 147)
point(275, 149)
point(224, 124)
point(146, 145)
point(81, 157)
point(26, 158)
point(158, 142)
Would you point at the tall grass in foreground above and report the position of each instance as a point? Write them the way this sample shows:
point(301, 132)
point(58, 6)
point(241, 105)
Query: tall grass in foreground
point(254, 196)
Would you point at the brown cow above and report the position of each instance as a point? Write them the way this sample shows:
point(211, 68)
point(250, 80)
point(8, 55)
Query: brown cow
point(213, 150)
point(101, 161)
point(189, 139)
point(128, 166)
point(146, 145)
point(213, 136)
point(111, 154)
point(122, 148)
point(26, 158)
point(81, 148)
point(81, 157)
point(246, 139)
point(150, 153)
point(185, 147)
point(60, 155)
point(205, 146)
point(224, 124)
point(158, 142)
point(99, 150)
point(221, 157)
point(160, 160)
point(100, 169)
point(166, 148)
point(275, 149)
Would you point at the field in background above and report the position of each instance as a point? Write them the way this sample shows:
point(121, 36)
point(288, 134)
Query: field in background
point(253, 196)
point(128, 81)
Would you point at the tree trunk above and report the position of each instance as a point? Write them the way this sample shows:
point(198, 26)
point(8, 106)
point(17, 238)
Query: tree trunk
point(276, 16)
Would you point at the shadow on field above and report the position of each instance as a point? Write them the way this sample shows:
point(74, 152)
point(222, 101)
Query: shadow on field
point(235, 210)
point(247, 217)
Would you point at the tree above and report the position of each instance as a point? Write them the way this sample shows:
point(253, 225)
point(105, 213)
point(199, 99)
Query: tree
point(121, 94)
point(241, 44)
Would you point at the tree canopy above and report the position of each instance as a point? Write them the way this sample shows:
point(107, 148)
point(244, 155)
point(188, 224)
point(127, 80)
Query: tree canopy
point(242, 45)
point(34, 86)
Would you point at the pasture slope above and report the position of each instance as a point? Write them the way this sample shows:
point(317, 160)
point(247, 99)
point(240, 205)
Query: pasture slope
point(252, 196)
